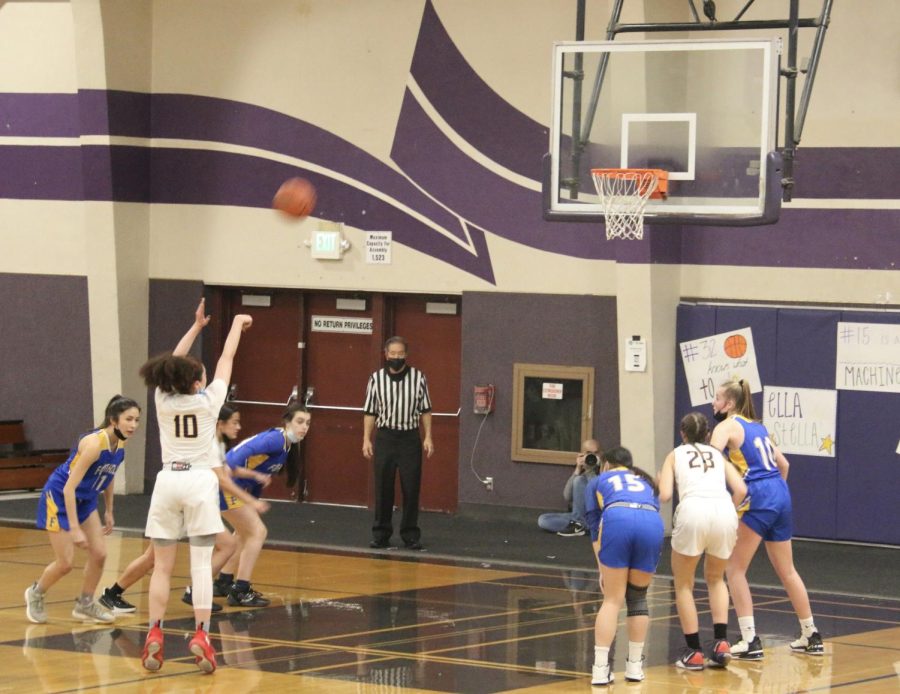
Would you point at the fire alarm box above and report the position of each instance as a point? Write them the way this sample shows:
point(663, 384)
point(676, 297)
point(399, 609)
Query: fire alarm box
point(484, 399)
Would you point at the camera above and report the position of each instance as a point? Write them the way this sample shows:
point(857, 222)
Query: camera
point(591, 460)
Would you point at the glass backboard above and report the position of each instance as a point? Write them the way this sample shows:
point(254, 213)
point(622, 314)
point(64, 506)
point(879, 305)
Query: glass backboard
point(703, 110)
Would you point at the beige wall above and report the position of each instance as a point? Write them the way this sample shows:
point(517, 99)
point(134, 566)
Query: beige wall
point(343, 65)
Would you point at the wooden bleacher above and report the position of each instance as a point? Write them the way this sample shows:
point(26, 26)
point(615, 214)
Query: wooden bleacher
point(20, 466)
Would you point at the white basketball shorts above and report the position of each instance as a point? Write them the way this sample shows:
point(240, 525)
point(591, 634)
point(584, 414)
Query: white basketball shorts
point(705, 525)
point(184, 503)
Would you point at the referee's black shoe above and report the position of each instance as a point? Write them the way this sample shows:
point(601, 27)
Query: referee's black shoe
point(379, 544)
point(414, 546)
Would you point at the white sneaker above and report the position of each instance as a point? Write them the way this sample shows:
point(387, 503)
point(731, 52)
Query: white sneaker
point(92, 612)
point(34, 605)
point(601, 675)
point(634, 670)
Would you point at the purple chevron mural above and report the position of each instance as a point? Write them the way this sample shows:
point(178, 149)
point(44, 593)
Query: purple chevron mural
point(436, 198)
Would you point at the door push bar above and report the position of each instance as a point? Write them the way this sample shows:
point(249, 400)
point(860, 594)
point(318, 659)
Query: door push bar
point(232, 392)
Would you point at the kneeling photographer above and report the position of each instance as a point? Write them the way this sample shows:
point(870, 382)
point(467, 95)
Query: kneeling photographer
point(572, 523)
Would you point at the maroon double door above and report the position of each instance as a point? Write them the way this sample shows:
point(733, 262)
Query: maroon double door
point(302, 340)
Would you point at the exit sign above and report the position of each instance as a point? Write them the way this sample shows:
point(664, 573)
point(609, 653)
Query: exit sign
point(326, 245)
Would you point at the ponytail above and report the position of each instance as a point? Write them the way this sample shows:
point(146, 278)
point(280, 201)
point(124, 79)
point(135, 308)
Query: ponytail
point(621, 457)
point(695, 427)
point(292, 464)
point(116, 406)
point(739, 392)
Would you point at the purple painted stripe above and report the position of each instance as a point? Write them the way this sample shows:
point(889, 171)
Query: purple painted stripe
point(114, 112)
point(220, 120)
point(471, 107)
point(826, 172)
point(40, 173)
point(491, 202)
point(866, 173)
point(39, 115)
point(220, 178)
point(847, 239)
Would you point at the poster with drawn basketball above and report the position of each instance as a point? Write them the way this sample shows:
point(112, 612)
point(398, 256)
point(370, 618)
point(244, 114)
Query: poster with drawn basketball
point(802, 421)
point(710, 361)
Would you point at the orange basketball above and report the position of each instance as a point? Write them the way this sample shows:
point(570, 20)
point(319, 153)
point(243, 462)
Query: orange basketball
point(735, 346)
point(296, 197)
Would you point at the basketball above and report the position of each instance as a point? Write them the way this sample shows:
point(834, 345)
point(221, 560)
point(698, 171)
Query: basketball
point(735, 346)
point(296, 197)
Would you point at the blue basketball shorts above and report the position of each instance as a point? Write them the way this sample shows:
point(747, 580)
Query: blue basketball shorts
point(631, 538)
point(51, 513)
point(769, 514)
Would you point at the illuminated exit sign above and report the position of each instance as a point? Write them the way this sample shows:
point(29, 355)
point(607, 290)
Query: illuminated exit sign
point(326, 245)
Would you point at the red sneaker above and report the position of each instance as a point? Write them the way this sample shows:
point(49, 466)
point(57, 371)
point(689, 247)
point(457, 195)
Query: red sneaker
point(152, 657)
point(720, 654)
point(202, 648)
point(690, 660)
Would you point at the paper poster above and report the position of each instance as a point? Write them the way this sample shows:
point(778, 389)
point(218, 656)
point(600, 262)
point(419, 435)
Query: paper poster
point(868, 357)
point(801, 420)
point(710, 361)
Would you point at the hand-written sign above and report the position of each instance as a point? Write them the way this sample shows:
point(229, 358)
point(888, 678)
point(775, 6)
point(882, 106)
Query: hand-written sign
point(710, 361)
point(868, 357)
point(801, 420)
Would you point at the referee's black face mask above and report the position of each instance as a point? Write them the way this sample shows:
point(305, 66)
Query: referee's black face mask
point(396, 363)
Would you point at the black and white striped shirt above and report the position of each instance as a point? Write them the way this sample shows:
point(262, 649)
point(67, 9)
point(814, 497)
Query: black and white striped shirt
point(397, 401)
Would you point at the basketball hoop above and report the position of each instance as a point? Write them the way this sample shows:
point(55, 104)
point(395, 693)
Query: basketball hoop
point(624, 194)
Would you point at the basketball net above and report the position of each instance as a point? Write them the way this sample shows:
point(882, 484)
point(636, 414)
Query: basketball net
point(623, 195)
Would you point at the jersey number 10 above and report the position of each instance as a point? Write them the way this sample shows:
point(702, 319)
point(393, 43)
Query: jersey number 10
point(186, 426)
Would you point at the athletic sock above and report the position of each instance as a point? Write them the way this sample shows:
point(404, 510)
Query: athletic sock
point(226, 578)
point(635, 651)
point(693, 640)
point(115, 589)
point(748, 628)
point(808, 627)
point(241, 586)
point(720, 631)
point(601, 656)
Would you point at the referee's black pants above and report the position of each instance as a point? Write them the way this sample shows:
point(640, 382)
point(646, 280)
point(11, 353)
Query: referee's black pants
point(395, 451)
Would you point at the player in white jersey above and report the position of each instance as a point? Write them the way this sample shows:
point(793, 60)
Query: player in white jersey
point(185, 497)
point(705, 522)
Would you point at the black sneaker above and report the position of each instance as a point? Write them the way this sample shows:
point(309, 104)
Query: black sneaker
point(811, 645)
point(221, 588)
point(747, 651)
point(115, 603)
point(573, 529)
point(249, 598)
point(414, 546)
point(188, 599)
point(379, 544)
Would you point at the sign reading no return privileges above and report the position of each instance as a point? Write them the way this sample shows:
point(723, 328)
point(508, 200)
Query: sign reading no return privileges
point(341, 324)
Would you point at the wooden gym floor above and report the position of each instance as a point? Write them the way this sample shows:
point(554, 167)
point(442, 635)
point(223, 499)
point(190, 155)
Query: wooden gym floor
point(343, 622)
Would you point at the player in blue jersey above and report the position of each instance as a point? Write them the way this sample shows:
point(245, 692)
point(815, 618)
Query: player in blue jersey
point(767, 518)
point(67, 509)
point(622, 509)
point(252, 463)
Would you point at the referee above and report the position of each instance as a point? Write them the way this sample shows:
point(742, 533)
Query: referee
point(396, 399)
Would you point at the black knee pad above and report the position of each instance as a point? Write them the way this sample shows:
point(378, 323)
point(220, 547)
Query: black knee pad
point(636, 600)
